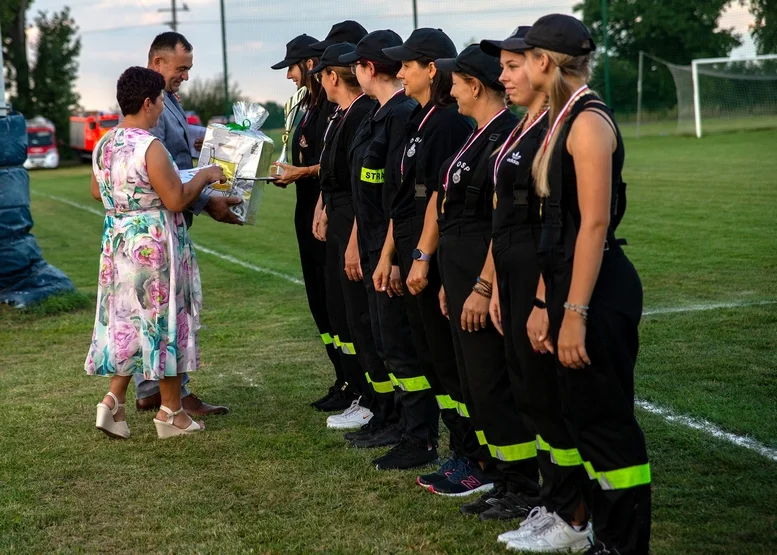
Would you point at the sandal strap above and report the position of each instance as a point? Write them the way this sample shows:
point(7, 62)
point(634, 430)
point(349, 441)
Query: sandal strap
point(116, 404)
point(171, 414)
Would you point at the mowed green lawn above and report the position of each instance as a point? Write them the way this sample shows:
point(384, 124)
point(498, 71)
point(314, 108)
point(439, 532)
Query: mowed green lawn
point(269, 477)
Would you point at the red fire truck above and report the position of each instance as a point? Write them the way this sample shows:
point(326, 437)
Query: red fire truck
point(41, 144)
point(86, 129)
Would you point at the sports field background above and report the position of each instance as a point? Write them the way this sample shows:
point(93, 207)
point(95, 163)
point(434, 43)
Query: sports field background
point(269, 477)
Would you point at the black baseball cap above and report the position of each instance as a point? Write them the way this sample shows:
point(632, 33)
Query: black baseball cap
point(513, 43)
point(298, 49)
point(345, 31)
point(560, 33)
point(331, 56)
point(473, 61)
point(371, 47)
point(423, 42)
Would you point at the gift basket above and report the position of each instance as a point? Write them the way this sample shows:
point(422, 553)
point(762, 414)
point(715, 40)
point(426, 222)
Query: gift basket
point(244, 154)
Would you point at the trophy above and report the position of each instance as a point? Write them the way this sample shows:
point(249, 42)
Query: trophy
point(290, 110)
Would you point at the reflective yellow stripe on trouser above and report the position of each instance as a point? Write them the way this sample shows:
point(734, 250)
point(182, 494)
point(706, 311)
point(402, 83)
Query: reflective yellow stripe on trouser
point(410, 384)
point(463, 410)
point(625, 478)
point(445, 402)
point(561, 457)
point(346, 348)
point(327, 339)
point(380, 387)
point(515, 452)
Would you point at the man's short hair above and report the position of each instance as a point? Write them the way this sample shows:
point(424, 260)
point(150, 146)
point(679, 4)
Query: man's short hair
point(168, 41)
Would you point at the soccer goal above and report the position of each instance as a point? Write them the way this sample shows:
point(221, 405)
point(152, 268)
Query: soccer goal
point(722, 94)
point(734, 93)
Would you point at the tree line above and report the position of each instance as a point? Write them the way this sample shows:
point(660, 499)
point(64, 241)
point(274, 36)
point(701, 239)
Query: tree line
point(677, 31)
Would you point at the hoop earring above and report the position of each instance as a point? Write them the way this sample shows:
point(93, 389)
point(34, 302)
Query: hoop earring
point(475, 96)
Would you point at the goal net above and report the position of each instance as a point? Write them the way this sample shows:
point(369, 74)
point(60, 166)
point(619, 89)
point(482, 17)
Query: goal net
point(725, 94)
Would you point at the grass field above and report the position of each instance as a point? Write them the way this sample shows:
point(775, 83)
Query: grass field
point(270, 478)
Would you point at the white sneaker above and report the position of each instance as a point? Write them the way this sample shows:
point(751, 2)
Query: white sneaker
point(554, 536)
point(536, 518)
point(353, 418)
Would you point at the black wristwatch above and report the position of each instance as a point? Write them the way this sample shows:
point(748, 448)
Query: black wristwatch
point(418, 254)
point(539, 303)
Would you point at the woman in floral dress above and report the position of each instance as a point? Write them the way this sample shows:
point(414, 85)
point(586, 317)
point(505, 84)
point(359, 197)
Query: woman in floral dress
point(149, 293)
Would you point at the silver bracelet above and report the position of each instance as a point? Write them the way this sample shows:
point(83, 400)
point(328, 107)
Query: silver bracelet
point(580, 309)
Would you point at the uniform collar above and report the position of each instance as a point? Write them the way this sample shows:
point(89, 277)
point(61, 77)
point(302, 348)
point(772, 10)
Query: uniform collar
point(420, 113)
point(385, 110)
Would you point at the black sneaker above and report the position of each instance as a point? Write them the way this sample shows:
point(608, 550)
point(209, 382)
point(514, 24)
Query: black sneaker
point(365, 431)
point(448, 467)
point(484, 502)
point(406, 454)
point(510, 506)
point(600, 549)
point(380, 437)
point(326, 397)
point(338, 402)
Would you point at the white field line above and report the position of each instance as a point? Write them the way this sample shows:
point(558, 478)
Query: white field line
point(197, 246)
point(709, 429)
point(703, 307)
point(667, 414)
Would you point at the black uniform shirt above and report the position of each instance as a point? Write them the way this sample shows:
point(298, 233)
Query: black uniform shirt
point(307, 142)
point(515, 199)
point(428, 144)
point(375, 160)
point(459, 171)
point(335, 172)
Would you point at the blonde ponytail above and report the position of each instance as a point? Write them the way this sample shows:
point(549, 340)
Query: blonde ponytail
point(560, 92)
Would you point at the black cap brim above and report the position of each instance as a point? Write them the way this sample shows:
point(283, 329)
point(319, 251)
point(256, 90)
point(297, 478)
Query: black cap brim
point(494, 47)
point(401, 53)
point(285, 63)
point(448, 64)
point(349, 58)
point(319, 68)
point(321, 46)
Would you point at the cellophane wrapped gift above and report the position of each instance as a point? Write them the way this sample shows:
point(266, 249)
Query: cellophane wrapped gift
point(242, 151)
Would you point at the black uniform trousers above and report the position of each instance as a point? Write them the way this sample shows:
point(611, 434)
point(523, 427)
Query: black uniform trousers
point(394, 343)
point(433, 342)
point(507, 445)
point(312, 256)
point(598, 401)
point(533, 375)
point(355, 336)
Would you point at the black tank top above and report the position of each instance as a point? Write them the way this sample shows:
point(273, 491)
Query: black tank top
point(515, 199)
point(560, 212)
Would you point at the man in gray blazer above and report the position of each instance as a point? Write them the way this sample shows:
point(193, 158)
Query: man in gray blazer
point(171, 56)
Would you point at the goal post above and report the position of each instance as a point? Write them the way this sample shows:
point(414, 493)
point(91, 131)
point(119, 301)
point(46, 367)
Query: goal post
point(728, 77)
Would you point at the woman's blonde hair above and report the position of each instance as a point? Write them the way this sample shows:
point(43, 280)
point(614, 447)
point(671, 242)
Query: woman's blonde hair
point(567, 66)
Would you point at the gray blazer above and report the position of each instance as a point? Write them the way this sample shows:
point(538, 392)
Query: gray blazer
point(173, 130)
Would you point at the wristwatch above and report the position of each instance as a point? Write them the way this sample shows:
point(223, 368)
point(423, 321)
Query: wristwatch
point(418, 254)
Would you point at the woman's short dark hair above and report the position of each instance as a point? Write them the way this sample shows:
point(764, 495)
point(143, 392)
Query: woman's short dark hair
point(135, 85)
point(390, 69)
point(441, 87)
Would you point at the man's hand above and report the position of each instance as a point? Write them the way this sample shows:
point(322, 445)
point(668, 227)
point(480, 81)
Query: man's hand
point(198, 144)
point(218, 209)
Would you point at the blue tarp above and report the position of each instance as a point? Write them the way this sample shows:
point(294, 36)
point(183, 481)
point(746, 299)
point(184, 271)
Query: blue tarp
point(24, 276)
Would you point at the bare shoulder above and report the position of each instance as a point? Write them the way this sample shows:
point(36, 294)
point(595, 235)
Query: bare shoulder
point(591, 132)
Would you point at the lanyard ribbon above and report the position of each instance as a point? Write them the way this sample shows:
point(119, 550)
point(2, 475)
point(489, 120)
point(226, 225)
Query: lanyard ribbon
point(473, 137)
point(574, 98)
point(423, 122)
point(511, 145)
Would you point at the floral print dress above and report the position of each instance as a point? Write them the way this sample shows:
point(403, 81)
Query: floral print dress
point(149, 294)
